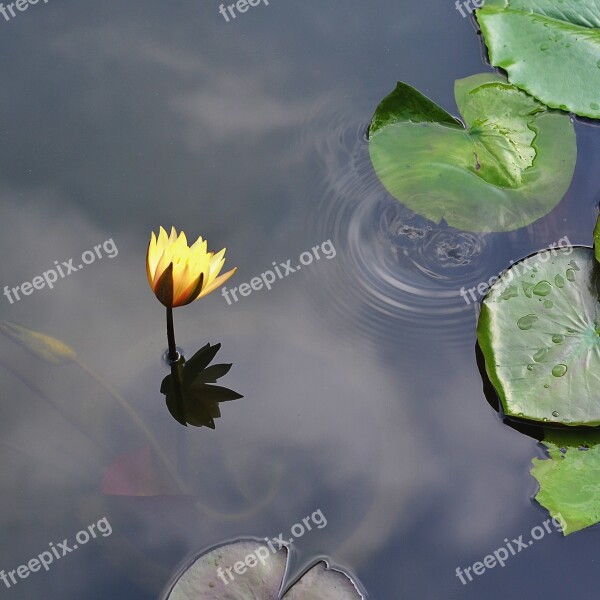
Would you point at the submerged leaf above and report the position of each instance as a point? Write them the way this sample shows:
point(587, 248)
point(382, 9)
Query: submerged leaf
point(549, 48)
point(132, 474)
point(539, 331)
point(43, 346)
point(510, 165)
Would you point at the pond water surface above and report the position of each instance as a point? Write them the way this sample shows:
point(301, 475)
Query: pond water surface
point(362, 395)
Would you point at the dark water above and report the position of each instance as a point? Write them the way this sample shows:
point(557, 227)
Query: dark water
point(362, 393)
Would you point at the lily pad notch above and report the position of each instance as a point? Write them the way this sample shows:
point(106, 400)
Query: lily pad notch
point(248, 569)
point(509, 164)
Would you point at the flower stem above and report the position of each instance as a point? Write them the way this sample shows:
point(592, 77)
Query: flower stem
point(173, 354)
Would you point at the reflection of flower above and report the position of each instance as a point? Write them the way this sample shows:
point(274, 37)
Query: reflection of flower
point(179, 274)
point(191, 397)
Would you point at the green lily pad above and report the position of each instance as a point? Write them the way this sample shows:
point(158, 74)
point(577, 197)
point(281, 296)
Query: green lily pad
point(250, 570)
point(568, 479)
point(549, 48)
point(539, 331)
point(508, 167)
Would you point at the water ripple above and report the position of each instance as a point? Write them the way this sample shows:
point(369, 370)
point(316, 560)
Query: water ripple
point(396, 272)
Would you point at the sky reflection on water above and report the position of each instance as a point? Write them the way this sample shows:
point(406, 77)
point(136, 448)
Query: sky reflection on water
point(119, 118)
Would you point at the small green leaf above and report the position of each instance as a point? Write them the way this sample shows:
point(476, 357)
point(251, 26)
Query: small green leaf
point(568, 479)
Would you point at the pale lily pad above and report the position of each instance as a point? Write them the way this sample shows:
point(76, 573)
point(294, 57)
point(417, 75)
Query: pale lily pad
point(569, 478)
point(539, 331)
point(509, 166)
point(323, 583)
point(250, 570)
point(549, 48)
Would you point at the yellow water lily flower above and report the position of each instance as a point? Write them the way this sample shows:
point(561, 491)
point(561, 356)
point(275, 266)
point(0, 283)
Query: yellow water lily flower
point(179, 274)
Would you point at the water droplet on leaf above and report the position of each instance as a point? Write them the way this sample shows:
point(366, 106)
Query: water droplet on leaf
point(528, 288)
point(512, 291)
point(543, 288)
point(527, 322)
point(559, 370)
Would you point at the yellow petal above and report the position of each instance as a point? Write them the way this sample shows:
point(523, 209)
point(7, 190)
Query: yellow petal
point(219, 281)
point(163, 240)
point(152, 258)
point(183, 285)
point(199, 247)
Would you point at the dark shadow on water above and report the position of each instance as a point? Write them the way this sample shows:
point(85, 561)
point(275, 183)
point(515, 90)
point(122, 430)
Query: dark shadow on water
point(191, 396)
